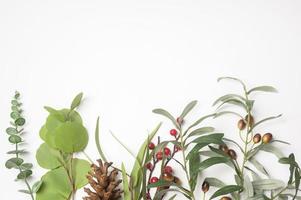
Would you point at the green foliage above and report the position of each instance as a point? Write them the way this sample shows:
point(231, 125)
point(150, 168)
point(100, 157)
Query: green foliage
point(15, 133)
point(64, 135)
point(258, 187)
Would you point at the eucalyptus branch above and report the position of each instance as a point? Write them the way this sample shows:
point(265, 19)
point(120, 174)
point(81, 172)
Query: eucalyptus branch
point(15, 138)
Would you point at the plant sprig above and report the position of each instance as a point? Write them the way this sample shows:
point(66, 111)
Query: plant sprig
point(15, 132)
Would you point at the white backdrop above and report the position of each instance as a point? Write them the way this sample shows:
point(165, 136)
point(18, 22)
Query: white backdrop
point(129, 57)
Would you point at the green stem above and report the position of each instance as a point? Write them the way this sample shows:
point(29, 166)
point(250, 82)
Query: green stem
point(185, 164)
point(25, 179)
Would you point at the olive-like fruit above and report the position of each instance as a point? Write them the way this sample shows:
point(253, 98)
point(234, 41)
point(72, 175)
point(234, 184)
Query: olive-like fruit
point(250, 120)
point(241, 125)
point(205, 186)
point(232, 154)
point(168, 177)
point(266, 138)
point(226, 198)
point(223, 148)
point(257, 138)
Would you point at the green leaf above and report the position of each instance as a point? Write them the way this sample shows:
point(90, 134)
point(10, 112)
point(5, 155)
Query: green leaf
point(258, 166)
point(263, 89)
point(13, 163)
point(71, 137)
point(125, 181)
point(228, 96)
point(16, 151)
point(15, 139)
point(268, 184)
point(272, 149)
point(47, 157)
point(212, 161)
point(194, 162)
point(20, 121)
point(188, 108)
point(214, 182)
point(24, 174)
point(56, 186)
point(226, 190)
point(248, 188)
point(14, 115)
point(166, 114)
point(236, 102)
point(234, 79)
point(25, 191)
point(201, 131)
point(76, 101)
point(80, 169)
point(15, 102)
point(26, 166)
point(97, 141)
point(136, 174)
point(36, 186)
point(199, 121)
point(226, 113)
point(215, 138)
point(264, 120)
point(11, 131)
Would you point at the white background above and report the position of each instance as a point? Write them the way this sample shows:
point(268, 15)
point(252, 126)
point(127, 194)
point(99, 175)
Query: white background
point(129, 57)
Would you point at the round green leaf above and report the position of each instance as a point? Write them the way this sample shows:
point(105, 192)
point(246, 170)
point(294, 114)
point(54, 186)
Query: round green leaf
point(71, 137)
point(47, 157)
point(80, 170)
point(15, 139)
point(55, 185)
point(13, 163)
point(26, 166)
point(14, 115)
point(14, 102)
point(43, 132)
point(17, 95)
point(11, 131)
point(15, 108)
point(24, 174)
point(20, 121)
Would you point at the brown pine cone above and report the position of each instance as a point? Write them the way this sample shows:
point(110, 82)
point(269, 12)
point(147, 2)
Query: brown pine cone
point(104, 183)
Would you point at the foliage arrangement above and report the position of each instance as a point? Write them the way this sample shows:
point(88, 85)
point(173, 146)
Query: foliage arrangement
point(15, 132)
point(163, 169)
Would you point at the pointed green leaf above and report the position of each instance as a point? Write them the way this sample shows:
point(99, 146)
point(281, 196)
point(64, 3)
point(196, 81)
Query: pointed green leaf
point(188, 108)
point(76, 101)
point(226, 190)
point(263, 89)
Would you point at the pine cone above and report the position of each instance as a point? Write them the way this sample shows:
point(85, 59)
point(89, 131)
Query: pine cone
point(104, 183)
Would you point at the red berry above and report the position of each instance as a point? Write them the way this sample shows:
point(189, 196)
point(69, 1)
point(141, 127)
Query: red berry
point(154, 180)
point(151, 146)
point(159, 155)
point(149, 166)
point(168, 170)
point(173, 132)
point(167, 151)
point(148, 196)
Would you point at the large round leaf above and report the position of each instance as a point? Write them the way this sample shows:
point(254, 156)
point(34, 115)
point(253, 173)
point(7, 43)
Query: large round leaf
point(80, 170)
point(47, 157)
point(43, 132)
point(56, 186)
point(54, 121)
point(71, 137)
